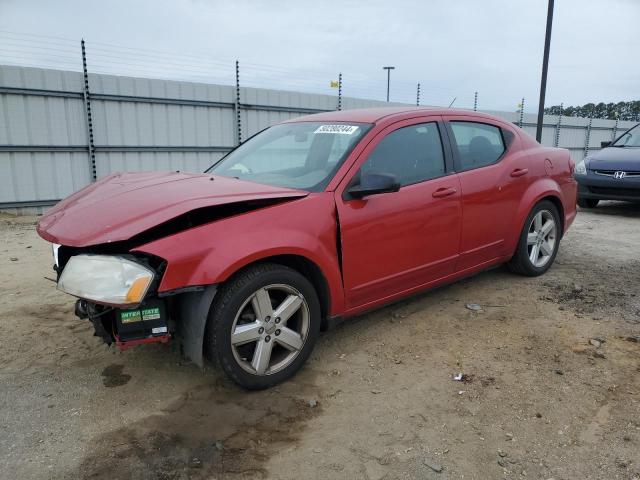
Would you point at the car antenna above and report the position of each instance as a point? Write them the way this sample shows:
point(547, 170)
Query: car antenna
point(454, 99)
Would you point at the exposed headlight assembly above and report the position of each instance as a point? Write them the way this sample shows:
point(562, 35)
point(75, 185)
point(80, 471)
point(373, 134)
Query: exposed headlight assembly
point(581, 167)
point(106, 279)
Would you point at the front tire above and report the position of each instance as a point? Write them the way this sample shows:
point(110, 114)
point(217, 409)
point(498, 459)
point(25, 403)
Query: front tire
point(588, 202)
point(263, 325)
point(539, 241)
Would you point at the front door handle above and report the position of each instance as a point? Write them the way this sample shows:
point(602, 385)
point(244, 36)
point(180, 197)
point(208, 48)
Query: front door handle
point(518, 172)
point(443, 192)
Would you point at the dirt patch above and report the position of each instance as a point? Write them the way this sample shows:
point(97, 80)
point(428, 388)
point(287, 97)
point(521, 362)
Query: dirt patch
point(112, 376)
point(208, 432)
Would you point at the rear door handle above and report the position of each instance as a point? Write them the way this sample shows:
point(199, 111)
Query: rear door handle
point(518, 172)
point(443, 192)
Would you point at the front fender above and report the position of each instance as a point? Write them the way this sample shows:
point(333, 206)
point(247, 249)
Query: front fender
point(211, 253)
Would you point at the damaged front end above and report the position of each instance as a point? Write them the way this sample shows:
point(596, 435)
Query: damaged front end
point(117, 293)
point(127, 328)
point(97, 235)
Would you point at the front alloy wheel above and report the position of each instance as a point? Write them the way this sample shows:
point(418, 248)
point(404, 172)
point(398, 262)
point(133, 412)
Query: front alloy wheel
point(263, 325)
point(270, 329)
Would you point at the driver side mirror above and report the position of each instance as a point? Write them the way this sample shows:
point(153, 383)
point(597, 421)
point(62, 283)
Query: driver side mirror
point(374, 183)
point(604, 144)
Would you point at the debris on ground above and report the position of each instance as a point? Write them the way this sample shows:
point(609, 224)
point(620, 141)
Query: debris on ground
point(474, 307)
point(313, 403)
point(436, 467)
point(579, 349)
point(13, 259)
point(463, 377)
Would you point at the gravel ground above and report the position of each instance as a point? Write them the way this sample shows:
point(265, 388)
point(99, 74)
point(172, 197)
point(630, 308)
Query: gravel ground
point(551, 386)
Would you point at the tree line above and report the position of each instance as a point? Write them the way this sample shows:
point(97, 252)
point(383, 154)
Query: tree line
point(611, 111)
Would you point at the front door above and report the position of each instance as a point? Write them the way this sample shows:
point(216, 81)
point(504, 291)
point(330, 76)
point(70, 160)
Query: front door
point(395, 242)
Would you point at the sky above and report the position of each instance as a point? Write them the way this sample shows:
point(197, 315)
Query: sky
point(452, 48)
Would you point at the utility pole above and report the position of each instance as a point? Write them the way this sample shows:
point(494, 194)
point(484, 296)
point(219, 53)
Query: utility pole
point(388, 69)
point(545, 65)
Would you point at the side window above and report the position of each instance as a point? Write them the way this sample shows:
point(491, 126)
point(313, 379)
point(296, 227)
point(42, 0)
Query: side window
point(479, 144)
point(413, 154)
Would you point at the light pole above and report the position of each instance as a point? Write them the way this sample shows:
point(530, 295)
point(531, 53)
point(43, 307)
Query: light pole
point(545, 64)
point(388, 69)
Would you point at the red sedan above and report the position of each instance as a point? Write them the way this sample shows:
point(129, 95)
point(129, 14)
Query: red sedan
point(305, 224)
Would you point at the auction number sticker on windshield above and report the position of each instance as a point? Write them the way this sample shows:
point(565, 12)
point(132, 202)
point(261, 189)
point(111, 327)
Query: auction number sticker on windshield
point(339, 129)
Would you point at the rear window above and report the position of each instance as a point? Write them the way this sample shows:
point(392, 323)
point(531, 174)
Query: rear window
point(478, 144)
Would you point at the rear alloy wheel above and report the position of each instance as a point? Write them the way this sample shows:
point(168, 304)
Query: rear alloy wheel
point(588, 202)
point(263, 325)
point(539, 241)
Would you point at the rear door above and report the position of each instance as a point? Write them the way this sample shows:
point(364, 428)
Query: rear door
point(397, 241)
point(494, 174)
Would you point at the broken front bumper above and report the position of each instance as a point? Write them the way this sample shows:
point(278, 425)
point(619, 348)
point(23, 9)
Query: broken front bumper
point(148, 323)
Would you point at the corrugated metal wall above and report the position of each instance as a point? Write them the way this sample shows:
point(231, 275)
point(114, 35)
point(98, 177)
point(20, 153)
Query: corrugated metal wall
point(147, 124)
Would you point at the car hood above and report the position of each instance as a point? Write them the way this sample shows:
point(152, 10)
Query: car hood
point(614, 158)
point(123, 205)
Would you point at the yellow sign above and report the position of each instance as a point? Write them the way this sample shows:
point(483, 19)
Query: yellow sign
point(334, 84)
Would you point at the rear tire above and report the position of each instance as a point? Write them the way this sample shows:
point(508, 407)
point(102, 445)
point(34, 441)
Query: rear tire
point(588, 202)
point(539, 241)
point(263, 325)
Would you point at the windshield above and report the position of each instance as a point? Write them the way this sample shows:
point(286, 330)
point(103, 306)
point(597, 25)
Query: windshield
point(630, 138)
point(302, 155)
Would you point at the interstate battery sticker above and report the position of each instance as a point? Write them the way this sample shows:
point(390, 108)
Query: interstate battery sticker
point(339, 129)
point(151, 313)
point(132, 316)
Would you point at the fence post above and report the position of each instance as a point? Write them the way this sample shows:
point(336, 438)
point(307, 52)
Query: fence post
point(86, 96)
point(236, 106)
point(588, 135)
point(521, 113)
point(475, 101)
point(615, 127)
point(339, 91)
point(418, 96)
point(556, 141)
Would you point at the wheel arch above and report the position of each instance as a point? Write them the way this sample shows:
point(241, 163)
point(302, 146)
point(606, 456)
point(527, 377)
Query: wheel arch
point(558, 204)
point(539, 191)
point(303, 265)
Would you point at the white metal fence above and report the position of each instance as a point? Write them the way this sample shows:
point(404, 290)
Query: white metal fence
point(48, 151)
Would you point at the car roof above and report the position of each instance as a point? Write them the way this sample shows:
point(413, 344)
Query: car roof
point(375, 115)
